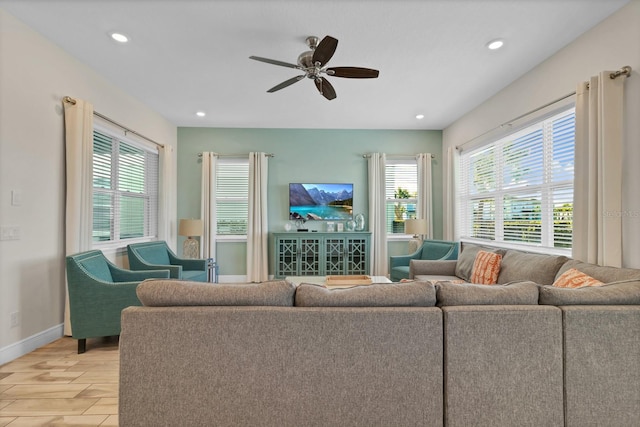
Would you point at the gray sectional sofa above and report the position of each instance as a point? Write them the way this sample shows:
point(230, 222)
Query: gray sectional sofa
point(423, 353)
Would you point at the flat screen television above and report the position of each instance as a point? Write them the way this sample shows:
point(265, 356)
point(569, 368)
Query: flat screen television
point(321, 202)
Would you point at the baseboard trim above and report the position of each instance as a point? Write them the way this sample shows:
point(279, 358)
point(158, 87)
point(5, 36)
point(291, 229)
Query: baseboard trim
point(27, 345)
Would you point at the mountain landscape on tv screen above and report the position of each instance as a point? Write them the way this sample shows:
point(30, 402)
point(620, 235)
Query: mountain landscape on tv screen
point(307, 201)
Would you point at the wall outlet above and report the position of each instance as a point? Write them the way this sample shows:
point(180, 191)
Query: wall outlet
point(15, 319)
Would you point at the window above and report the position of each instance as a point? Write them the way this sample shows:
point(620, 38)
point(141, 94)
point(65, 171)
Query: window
point(519, 189)
point(232, 196)
point(401, 190)
point(125, 189)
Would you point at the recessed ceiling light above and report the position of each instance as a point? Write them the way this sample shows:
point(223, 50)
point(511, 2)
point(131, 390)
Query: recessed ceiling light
point(495, 44)
point(119, 37)
point(420, 116)
point(201, 114)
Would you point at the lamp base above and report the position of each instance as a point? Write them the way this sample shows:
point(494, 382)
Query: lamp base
point(414, 244)
point(191, 249)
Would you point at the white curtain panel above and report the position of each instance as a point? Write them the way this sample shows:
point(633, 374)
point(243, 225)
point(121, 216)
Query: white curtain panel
point(377, 214)
point(165, 194)
point(78, 122)
point(597, 207)
point(257, 229)
point(449, 213)
point(208, 205)
point(424, 209)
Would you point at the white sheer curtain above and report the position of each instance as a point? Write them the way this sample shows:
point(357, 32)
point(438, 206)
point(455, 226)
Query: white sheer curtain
point(449, 213)
point(166, 194)
point(257, 229)
point(424, 209)
point(377, 214)
point(78, 123)
point(208, 205)
point(597, 207)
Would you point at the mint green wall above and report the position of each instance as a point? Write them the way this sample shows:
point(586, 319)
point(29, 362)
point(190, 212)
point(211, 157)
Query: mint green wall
point(301, 155)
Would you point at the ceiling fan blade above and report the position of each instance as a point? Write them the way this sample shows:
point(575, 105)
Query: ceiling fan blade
point(286, 83)
point(325, 88)
point(325, 50)
point(353, 72)
point(274, 62)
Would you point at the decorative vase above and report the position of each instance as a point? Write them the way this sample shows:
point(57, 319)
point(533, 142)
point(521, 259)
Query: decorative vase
point(359, 220)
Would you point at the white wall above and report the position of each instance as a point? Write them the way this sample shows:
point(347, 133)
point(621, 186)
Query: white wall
point(34, 76)
point(608, 46)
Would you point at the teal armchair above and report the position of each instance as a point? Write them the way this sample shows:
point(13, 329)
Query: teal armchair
point(98, 292)
point(157, 255)
point(430, 249)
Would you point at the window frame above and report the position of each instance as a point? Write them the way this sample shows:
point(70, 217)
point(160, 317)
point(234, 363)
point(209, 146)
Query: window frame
point(550, 191)
point(151, 199)
point(231, 160)
point(389, 201)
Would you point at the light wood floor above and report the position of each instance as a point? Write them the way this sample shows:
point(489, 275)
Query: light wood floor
point(55, 386)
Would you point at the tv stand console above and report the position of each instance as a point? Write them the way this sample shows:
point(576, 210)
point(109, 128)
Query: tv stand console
point(321, 254)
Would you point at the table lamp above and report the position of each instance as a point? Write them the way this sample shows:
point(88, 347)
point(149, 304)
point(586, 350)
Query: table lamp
point(417, 227)
point(190, 228)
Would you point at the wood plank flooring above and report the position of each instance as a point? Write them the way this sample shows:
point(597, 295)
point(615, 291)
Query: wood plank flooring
point(55, 386)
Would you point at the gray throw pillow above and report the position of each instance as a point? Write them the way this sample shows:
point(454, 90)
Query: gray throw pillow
point(467, 257)
point(168, 293)
point(616, 293)
point(516, 293)
point(538, 268)
point(409, 294)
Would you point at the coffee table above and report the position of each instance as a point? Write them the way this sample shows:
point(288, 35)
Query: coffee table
point(322, 280)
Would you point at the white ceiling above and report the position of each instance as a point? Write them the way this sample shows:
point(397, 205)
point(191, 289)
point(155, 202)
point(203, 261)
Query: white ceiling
point(185, 56)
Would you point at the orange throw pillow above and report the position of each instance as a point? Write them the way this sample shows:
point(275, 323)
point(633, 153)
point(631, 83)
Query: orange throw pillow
point(486, 268)
point(573, 278)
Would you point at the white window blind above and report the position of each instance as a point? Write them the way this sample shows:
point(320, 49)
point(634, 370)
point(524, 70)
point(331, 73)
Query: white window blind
point(519, 189)
point(125, 189)
point(232, 196)
point(401, 190)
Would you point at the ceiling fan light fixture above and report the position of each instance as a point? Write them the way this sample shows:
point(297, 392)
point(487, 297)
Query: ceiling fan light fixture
point(119, 37)
point(495, 44)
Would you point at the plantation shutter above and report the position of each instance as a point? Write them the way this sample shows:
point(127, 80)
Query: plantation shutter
point(232, 195)
point(125, 189)
point(519, 189)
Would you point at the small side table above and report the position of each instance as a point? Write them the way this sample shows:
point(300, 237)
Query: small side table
point(212, 270)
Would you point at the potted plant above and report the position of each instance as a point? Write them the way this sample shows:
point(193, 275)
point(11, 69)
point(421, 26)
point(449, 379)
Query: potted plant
point(399, 210)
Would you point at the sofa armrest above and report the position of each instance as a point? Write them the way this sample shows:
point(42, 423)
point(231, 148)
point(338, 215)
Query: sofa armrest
point(400, 260)
point(432, 267)
point(120, 275)
point(188, 263)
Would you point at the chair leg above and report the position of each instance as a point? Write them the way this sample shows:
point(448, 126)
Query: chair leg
point(82, 345)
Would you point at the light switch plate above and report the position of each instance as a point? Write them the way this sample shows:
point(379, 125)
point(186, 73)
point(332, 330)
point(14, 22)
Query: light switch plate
point(11, 232)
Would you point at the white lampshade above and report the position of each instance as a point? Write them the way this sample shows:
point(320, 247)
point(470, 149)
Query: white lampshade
point(415, 226)
point(190, 227)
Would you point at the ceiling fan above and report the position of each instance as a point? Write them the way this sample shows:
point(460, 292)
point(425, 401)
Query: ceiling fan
point(312, 62)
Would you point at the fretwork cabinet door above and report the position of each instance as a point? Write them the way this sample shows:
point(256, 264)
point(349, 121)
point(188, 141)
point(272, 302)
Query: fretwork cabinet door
point(297, 256)
point(346, 254)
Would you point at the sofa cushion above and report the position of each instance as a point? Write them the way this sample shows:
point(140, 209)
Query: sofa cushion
point(467, 257)
point(407, 294)
point(573, 278)
point(486, 268)
point(604, 274)
point(167, 293)
point(516, 293)
point(625, 292)
point(539, 268)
